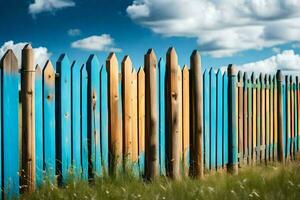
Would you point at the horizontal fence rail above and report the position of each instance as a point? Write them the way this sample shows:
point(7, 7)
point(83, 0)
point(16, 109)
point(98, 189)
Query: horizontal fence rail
point(87, 121)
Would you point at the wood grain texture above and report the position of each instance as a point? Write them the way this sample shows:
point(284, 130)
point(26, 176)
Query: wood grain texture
point(240, 119)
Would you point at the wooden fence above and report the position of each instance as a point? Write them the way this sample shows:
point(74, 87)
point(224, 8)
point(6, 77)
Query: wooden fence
point(91, 120)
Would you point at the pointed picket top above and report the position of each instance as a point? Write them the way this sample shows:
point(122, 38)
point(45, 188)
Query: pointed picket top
point(27, 46)
point(205, 72)
point(38, 70)
point(246, 77)
point(172, 59)
point(63, 60)
point(253, 77)
point(211, 70)
point(266, 79)
point(261, 77)
point(161, 63)
point(232, 70)
point(279, 75)
point(150, 59)
point(240, 76)
point(185, 69)
point(151, 54)
point(291, 79)
point(141, 72)
point(112, 62)
point(103, 70)
point(93, 60)
point(126, 64)
point(9, 62)
point(49, 73)
point(219, 73)
point(196, 57)
point(297, 79)
point(75, 67)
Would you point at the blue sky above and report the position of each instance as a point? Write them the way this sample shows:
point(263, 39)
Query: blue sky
point(131, 27)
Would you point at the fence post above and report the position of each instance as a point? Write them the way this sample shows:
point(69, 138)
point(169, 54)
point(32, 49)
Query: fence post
point(197, 113)
point(28, 118)
point(232, 134)
point(151, 114)
point(279, 78)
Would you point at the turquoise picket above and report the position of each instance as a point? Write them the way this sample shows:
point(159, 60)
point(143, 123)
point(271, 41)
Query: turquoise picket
point(63, 118)
point(10, 125)
point(288, 139)
point(75, 94)
point(213, 118)
point(162, 115)
point(158, 149)
point(104, 117)
point(206, 117)
point(225, 119)
point(38, 101)
point(93, 70)
point(219, 118)
point(49, 121)
point(84, 121)
point(295, 118)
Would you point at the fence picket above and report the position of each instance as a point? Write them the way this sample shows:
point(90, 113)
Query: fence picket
point(254, 120)
point(213, 119)
point(225, 119)
point(39, 147)
point(240, 119)
point(219, 118)
point(206, 107)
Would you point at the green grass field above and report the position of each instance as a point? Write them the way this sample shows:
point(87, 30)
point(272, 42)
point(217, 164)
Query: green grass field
point(260, 182)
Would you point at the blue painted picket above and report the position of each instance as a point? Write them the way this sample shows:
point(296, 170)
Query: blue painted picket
point(10, 124)
point(219, 121)
point(75, 95)
point(63, 117)
point(49, 121)
point(225, 119)
point(39, 162)
point(213, 118)
point(84, 121)
point(104, 118)
point(206, 115)
point(162, 113)
point(93, 70)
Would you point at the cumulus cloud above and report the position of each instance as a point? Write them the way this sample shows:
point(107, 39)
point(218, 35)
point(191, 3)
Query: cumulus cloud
point(39, 6)
point(222, 27)
point(74, 32)
point(41, 54)
point(102, 42)
point(287, 60)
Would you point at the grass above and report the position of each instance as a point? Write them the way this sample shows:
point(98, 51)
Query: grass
point(260, 182)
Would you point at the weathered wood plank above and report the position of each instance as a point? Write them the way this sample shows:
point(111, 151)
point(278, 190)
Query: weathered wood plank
point(141, 119)
point(134, 123)
point(104, 118)
point(292, 117)
point(28, 119)
point(84, 121)
point(280, 105)
point(10, 133)
point(245, 118)
point(254, 119)
point(93, 70)
point(115, 144)
point(152, 157)
point(173, 112)
point(276, 108)
point(263, 117)
point(258, 120)
point(179, 74)
point(249, 121)
point(49, 121)
point(63, 123)
point(240, 119)
point(232, 131)
point(127, 110)
point(288, 118)
point(267, 117)
point(75, 129)
point(186, 119)
point(271, 157)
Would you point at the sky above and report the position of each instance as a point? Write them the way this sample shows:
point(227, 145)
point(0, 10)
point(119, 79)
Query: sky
point(256, 35)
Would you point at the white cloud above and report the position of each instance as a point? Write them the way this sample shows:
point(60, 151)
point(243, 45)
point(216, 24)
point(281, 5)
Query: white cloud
point(222, 27)
point(288, 60)
point(102, 42)
point(74, 32)
point(39, 6)
point(41, 54)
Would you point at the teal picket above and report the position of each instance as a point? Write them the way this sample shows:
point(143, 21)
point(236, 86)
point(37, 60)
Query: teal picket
point(206, 117)
point(104, 117)
point(39, 162)
point(10, 125)
point(63, 118)
point(295, 118)
point(75, 95)
point(162, 115)
point(93, 70)
point(213, 118)
point(288, 132)
point(225, 119)
point(84, 121)
point(49, 120)
point(219, 121)
point(158, 149)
